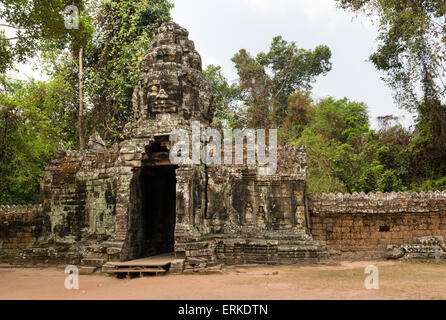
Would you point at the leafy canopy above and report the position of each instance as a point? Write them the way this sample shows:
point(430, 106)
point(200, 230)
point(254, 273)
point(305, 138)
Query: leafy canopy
point(269, 79)
point(32, 120)
point(412, 54)
point(124, 30)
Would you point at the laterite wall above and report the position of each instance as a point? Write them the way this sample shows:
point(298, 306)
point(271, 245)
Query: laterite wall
point(360, 226)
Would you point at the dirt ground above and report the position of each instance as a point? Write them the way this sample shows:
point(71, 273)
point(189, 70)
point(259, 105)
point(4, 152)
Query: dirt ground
point(397, 280)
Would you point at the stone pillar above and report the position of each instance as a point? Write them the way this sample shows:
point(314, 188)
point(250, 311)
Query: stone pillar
point(184, 205)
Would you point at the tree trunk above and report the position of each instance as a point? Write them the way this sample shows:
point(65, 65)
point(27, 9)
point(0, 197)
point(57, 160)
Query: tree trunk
point(81, 103)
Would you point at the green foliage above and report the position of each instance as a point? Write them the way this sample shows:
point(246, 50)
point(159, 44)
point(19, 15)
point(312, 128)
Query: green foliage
point(226, 99)
point(268, 80)
point(62, 68)
point(6, 55)
point(297, 117)
point(31, 124)
point(124, 30)
point(436, 184)
point(411, 47)
point(429, 144)
point(344, 155)
point(35, 116)
point(115, 35)
point(412, 54)
point(34, 23)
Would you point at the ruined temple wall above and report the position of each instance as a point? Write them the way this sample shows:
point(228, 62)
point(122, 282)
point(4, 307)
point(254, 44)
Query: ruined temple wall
point(254, 218)
point(78, 192)
point(236, 199)
point(26, 238)
point(239, 201)
point(361, 226)
point(21, 228)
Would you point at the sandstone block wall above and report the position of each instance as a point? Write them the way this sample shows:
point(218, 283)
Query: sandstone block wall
point(22, 227)
point(26, 238)
point(79, 194)
point(360, 226)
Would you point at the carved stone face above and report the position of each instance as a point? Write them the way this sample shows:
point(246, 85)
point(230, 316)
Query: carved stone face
point(164, 96)
point(171, 81)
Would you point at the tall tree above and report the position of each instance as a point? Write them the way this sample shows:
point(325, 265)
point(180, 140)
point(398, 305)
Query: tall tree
point(297, 118)
point(29, 22)
point(81, 125)
point(412, 54)
point(79, 39)
point(32, 121)
point(46, 25)
point(124, 30)
point(268, 80)
point(227, 99)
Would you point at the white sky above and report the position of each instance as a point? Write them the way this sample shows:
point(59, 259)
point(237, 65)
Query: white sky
point(220, 28)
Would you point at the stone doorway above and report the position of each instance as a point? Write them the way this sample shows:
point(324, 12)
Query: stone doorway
point(158, 204)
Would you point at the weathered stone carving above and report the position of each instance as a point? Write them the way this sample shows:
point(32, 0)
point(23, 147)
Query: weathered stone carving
point(60, 151)
point(171, 81)
point(95, 142)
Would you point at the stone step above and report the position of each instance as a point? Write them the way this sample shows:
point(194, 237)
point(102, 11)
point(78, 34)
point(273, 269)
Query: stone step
point(113, 243)
point(113, 250)
point(84, 270)
point(93, 262)
point(106, 268)
point(137, 270)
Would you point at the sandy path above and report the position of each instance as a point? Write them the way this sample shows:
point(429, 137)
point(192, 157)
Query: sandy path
point(239, 283)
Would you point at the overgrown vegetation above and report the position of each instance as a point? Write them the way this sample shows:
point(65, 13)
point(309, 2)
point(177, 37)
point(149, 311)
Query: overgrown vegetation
point(412, 54)
point(36, 115)
point(345, 154)
point(273, 91)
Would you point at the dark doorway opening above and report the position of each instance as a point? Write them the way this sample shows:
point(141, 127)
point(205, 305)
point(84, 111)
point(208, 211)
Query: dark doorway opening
point(158, 186)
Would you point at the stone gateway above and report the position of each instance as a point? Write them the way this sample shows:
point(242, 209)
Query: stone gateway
point(131, 202)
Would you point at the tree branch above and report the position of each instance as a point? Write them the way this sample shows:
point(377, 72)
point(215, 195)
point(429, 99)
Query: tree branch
point(233, 113)
point(9, 26)
point(16, 38)
point(284, 82)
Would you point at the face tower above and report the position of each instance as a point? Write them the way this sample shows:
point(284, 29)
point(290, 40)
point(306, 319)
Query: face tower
point(171, 91)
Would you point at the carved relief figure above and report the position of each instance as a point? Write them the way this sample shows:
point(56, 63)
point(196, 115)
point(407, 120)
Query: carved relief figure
point(300, 216)
point(261, 220)
point(276, 214)
point(249, 215)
